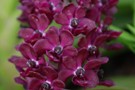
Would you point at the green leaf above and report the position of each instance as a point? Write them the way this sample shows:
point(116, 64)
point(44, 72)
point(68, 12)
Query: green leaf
point(131, 29)
point(108, 88)
point(134, 13)
point(125, 36)
point(121, 83)
point(125, 2)
point(121, 18)
point(132, 47)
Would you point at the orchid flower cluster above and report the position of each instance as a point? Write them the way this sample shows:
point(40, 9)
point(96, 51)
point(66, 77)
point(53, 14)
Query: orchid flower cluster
point(51, 56)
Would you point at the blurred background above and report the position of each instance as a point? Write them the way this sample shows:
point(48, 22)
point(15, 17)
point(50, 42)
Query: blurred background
point(121, 68)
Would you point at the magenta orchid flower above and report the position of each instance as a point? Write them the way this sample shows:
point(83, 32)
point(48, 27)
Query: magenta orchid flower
point(56, 43)
point(47, 81)
point(29, 59)
point(73, 19)
point(39, 22)
point(82, 75)
point(30, 36)
point(92, 42)
point(56, 5)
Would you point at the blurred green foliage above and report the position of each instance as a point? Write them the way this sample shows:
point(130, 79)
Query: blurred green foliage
point(9, 26)
point(126, 24)
point(122, 83)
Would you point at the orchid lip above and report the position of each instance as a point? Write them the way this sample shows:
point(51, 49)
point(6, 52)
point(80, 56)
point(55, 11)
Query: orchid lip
point(100, 3)
point(40, 32)
point(53, 6)
point(46, 85)
point(74, 22)
point(79, 72)
point(32, 63)
point(92, 49)
point(58, 49)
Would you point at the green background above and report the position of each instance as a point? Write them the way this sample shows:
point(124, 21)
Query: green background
point(9, 27)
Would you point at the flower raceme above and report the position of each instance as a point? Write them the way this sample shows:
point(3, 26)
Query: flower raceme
point(52, 55)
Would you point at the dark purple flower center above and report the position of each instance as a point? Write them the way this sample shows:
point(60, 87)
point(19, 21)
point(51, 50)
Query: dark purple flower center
point(104, 1)
point(74, 22)
point(40, 33)
point(80, 72)
point(37, 31)
point(58, 50)
point(46, 86)
point(52, 6)
point(92, 49)
point(100, 74)
point(31, 63)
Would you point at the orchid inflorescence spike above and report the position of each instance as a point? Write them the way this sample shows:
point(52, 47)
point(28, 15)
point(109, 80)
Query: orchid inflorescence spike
point(49, 57)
